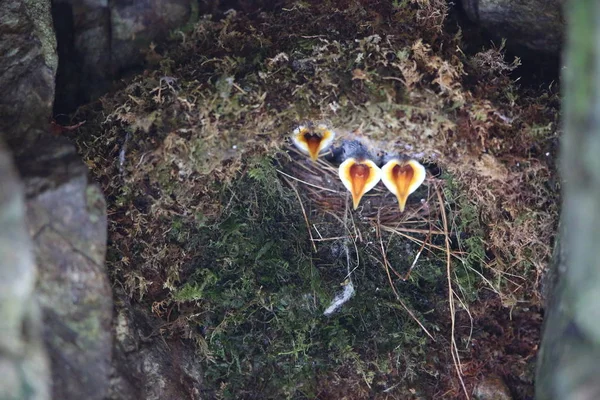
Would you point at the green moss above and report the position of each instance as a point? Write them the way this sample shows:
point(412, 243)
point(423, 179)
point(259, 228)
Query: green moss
point(469, 238)
point(542, 132)
point(195, 291)
point(259, 295)
point(95, 203)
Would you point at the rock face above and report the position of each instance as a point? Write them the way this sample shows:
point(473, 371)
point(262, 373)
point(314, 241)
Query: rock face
point(27, 70)
point(99, 40)
point(535, 24)
point(66, 218)
point(146, 366)
point(66, 215)
point(491, 388)
point(63, 348)
point(23, 361)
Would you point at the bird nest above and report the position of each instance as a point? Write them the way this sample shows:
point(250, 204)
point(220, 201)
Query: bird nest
point(377, 221)
point(324, 200)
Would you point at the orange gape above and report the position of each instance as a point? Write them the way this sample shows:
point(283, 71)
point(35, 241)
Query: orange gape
point(403, 176)
point(359, 175)
point(313, 141)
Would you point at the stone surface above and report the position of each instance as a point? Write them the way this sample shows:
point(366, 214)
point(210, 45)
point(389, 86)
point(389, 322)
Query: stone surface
point(23, 360)
point(534, 24)
point(27, 70)
point(67, 220)
point(134, 25)
point(99, 40)
point(83, 32)
point(491, 388)
point(148, 366)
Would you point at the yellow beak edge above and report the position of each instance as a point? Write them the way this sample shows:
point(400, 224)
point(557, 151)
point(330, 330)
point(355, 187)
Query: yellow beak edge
point(359, 177)
point(402, 178)
point(313, 142)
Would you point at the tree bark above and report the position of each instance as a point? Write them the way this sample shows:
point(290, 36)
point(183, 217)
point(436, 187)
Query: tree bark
point(568, 364)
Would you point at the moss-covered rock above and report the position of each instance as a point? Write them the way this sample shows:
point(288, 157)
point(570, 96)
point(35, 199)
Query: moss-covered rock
point(236, 243)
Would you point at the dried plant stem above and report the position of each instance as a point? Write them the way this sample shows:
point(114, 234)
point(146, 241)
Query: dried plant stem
point(312, 240)
point(407, 275)
point(387, 271)
point(306, 183)
point(453, 346)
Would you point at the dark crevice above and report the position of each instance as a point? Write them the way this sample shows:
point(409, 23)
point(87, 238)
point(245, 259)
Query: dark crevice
point(537, 69)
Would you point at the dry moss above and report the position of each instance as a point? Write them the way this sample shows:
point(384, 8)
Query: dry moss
point(207, 233)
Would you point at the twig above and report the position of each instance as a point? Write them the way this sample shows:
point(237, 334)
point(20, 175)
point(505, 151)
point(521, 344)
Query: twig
point(427, 240)
point(312, 240)
point(316, 230)
point(330, 239)
point(412, 238)
point(306, 183)
point(453, 346)
point(470, 318)
point(407, 275)
point(354, 237)
point(349, 290)
point(383, 249)
point(410, 230)
point(387, 271)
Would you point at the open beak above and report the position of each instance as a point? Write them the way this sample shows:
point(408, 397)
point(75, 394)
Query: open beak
point(402, 178)
point(314, 141)
point(359, 177)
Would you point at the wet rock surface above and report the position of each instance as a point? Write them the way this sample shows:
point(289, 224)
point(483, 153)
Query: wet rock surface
point(568, 358)
point(534, 24)
point(27, 69)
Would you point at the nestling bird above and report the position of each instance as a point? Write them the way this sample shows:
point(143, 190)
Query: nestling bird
point(402, 176)
point(358, 172)
point(313, 139)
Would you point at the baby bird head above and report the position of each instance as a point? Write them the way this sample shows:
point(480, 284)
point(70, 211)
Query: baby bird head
point(402, 176)
point(312, 139)
point(358, 171)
